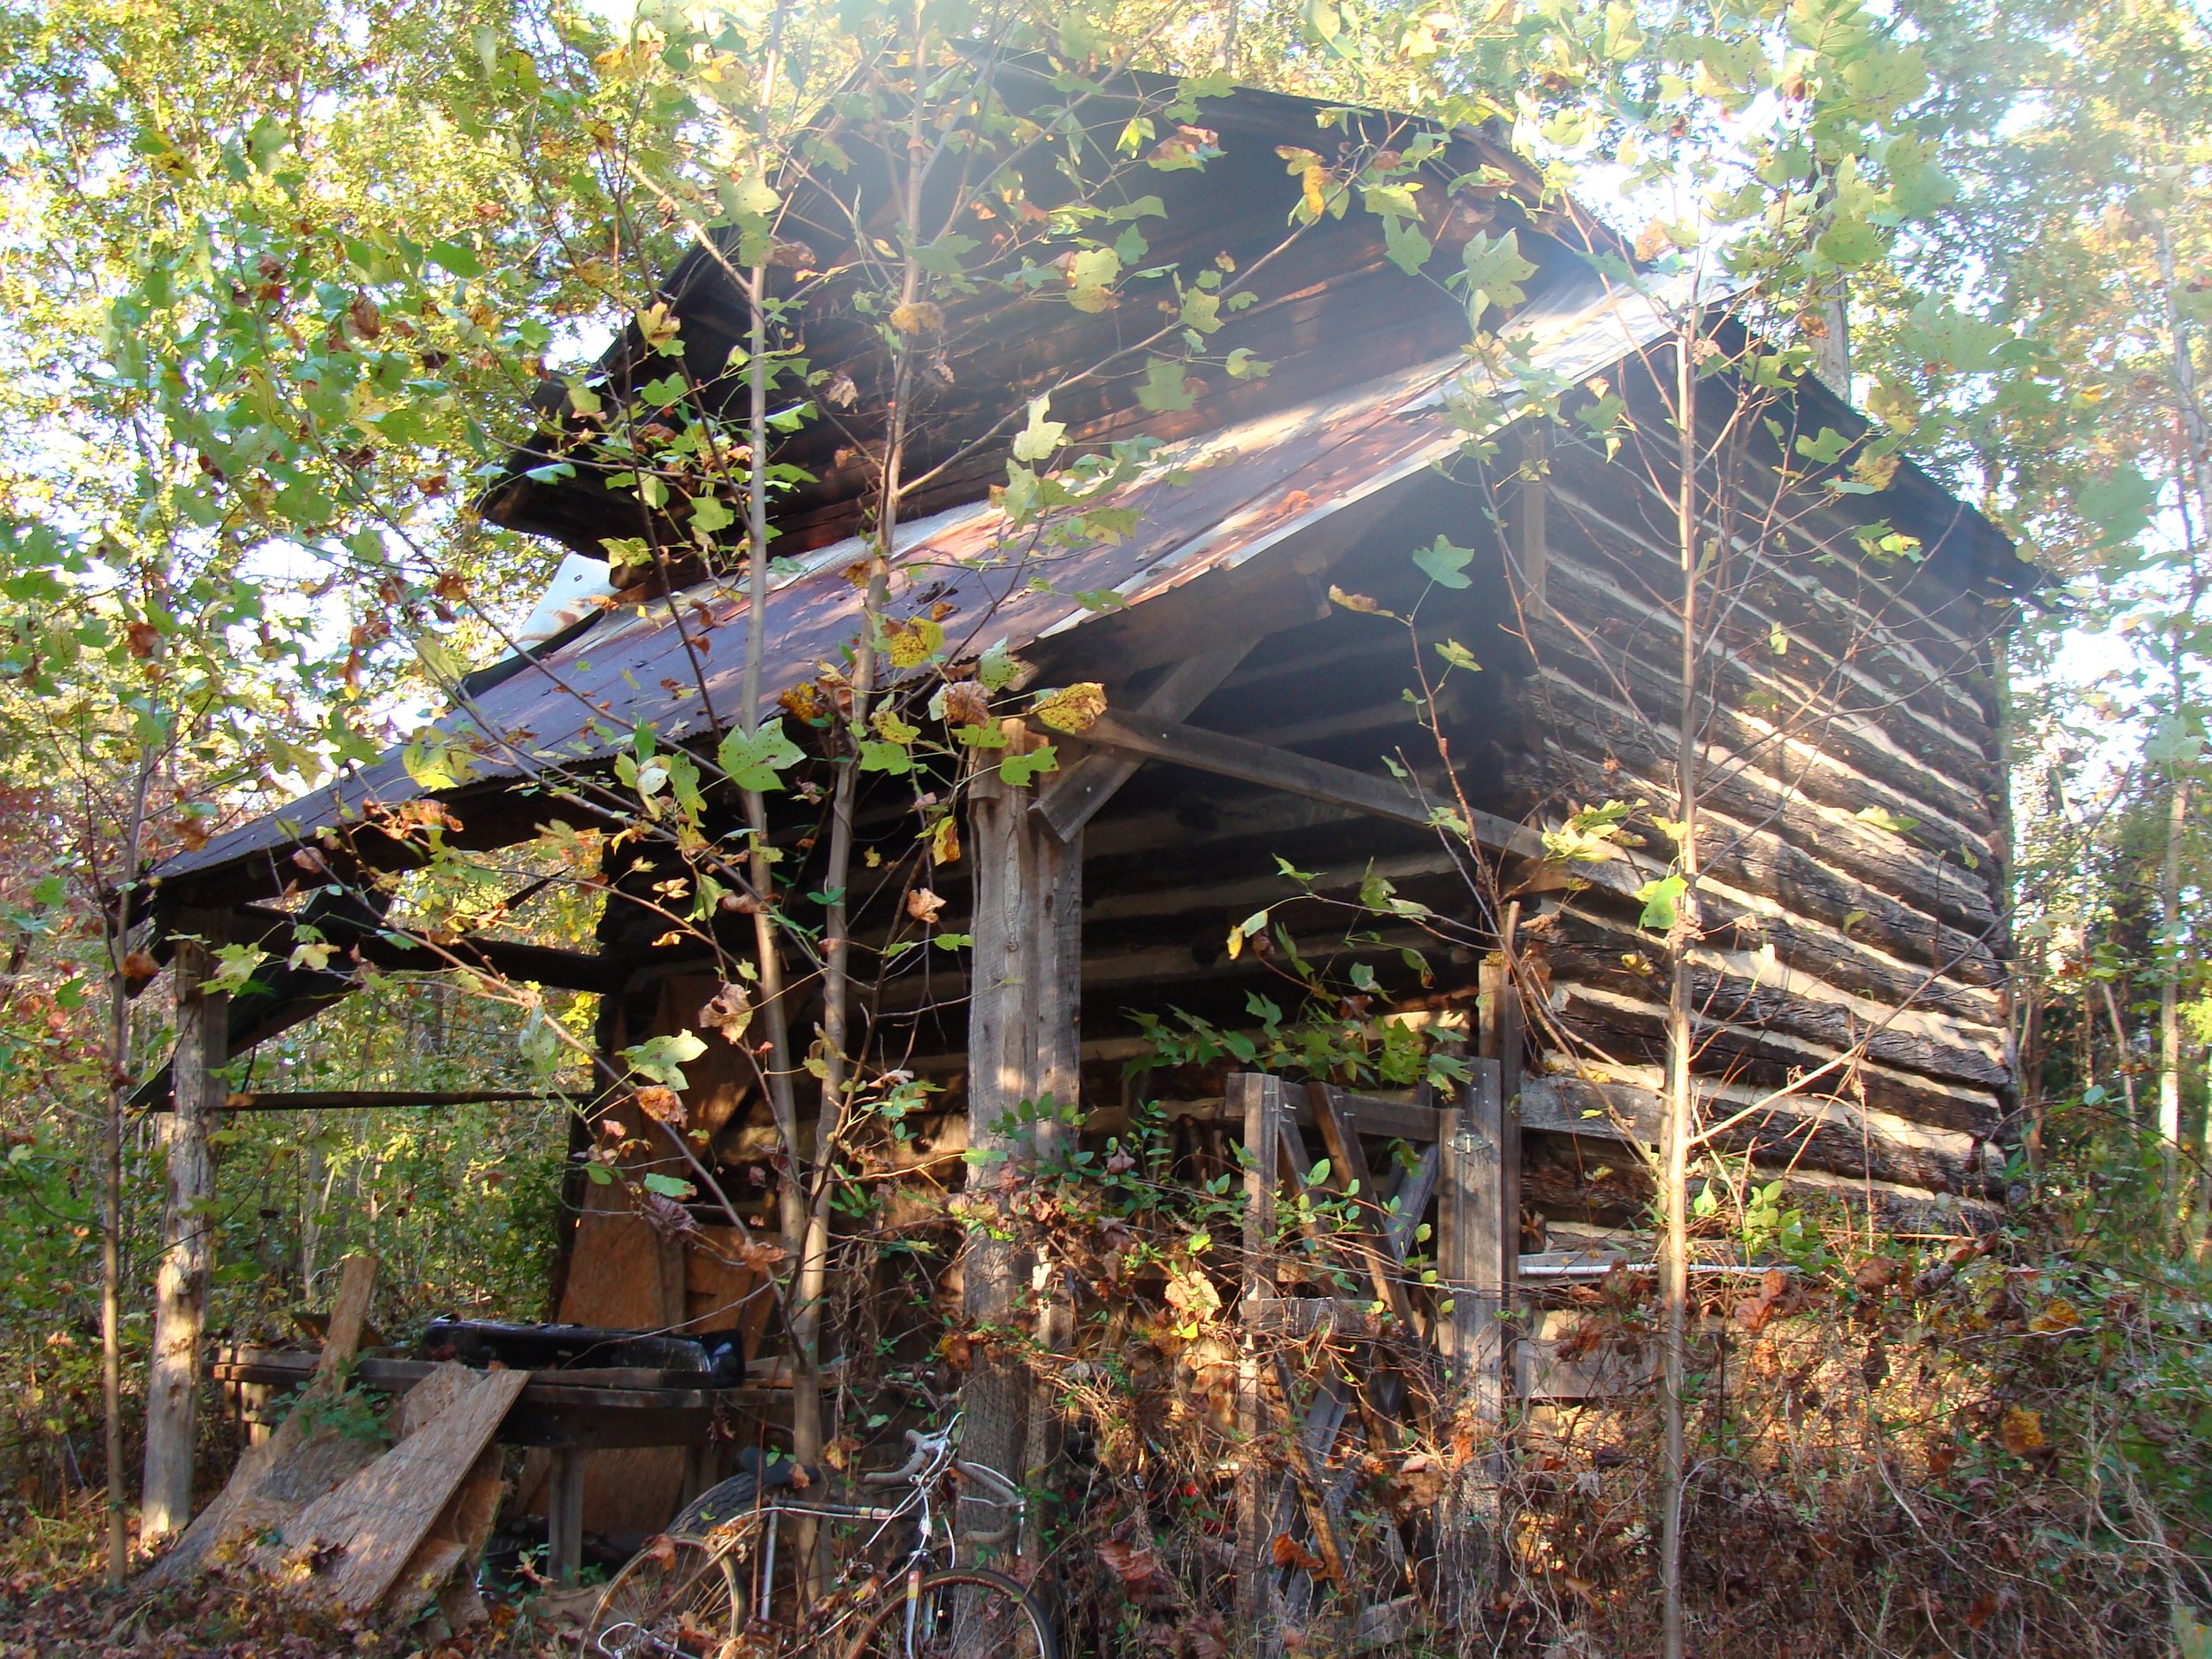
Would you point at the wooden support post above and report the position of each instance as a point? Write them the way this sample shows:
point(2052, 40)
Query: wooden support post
point(187, 1247)
point(1530, 537)
point(1259, 1100)
point(1022, 1048)
point(1479, 1233)
point(565, 1516)
point(1478, 1206)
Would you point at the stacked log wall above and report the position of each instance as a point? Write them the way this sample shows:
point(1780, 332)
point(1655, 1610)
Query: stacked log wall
point(1852, 900)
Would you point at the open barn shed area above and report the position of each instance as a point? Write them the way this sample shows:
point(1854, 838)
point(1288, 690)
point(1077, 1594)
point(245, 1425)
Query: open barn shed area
point(1290, 836)
point(967, 832)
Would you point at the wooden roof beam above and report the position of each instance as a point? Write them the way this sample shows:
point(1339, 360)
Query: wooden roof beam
point(366, 1099)
point(1151, 737)
point(389, 949)
point(1074, 796)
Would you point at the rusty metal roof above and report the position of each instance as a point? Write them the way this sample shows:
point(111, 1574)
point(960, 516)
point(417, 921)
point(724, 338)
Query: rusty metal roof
point(1236, 493)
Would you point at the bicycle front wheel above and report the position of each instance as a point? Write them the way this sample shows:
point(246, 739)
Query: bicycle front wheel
point(965, 1613)
point(678, 1598)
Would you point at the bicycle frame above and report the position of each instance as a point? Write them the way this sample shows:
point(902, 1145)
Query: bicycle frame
point(929, 1459)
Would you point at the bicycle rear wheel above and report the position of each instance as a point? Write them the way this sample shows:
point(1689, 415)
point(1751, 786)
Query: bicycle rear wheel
point(968, 1613)
point(678, 1598)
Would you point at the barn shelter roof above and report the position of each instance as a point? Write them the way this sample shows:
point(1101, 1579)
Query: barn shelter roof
point(1208, 505)
point(1243, 491)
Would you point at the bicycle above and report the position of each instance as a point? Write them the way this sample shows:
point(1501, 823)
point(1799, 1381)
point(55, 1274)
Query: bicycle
point(707, 1587)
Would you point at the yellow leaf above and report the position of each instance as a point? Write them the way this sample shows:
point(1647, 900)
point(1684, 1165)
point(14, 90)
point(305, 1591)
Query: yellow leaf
point(920, 318)
point(1314, 181)
point(2058, 1315)
point(2022, 1431)
point(913, 642)
point(1236, 942)
point(944, 840)
point(1074, 708)
point(1354, 602)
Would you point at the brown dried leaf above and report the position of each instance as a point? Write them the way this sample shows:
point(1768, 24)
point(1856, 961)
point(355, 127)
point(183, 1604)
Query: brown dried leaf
point(669, 1219)
point(1754, 1313)
point(1133, 1564)
point(1288, 1552)
point(924, 906)
point(1193, 1293)
point(1185, 143)
point(729, 1011)
point(663, 1105)
point(967, 703)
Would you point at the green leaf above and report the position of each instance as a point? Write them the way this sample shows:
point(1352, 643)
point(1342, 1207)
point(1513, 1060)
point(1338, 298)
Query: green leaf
point(234, 965)
point(1444, 564)
point(1458, 656)
point(893, 759)
point(750, 195)
point(457, 257)
point(1850, 242)
point(1828, 447)
point(1020, 770)
point(1164, 390)
point(1881, 819)
point(710, 514)
point(1040, 437)
point(668, 1186)
point(1407, 248)
point(434, 763)
point(661, 1059)
point(998, 667)
point(2171, 744)
point(754, 762)
point(1493, 270)
point(1661, 900)
point(2119, 506)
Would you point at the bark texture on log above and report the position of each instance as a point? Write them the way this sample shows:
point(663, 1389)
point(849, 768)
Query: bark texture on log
point(187, 1247)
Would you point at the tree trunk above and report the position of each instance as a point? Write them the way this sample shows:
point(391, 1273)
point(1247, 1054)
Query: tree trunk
point(2197, 473)
point(187, 1241)
point(1680, 1123)
point(2169, 990)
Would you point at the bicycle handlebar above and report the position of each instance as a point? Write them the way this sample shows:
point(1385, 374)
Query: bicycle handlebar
point(998, 1490)
point(927, 1453)
point(922, 1450)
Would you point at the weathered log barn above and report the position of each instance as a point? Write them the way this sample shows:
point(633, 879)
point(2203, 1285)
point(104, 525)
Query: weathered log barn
point(1852, 904)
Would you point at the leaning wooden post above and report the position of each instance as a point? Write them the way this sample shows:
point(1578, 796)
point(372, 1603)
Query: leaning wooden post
point(1258, 1102)
point(1478, 1206)
point(187, 1244)
point(1021, 1045)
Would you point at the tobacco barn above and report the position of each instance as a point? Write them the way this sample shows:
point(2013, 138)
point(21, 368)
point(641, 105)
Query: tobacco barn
point(1850, 909)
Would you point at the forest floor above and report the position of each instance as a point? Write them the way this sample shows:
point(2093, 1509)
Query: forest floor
point(55, 1604)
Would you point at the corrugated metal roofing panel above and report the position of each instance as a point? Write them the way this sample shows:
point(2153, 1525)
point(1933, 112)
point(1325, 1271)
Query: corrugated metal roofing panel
point(1243, 489)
